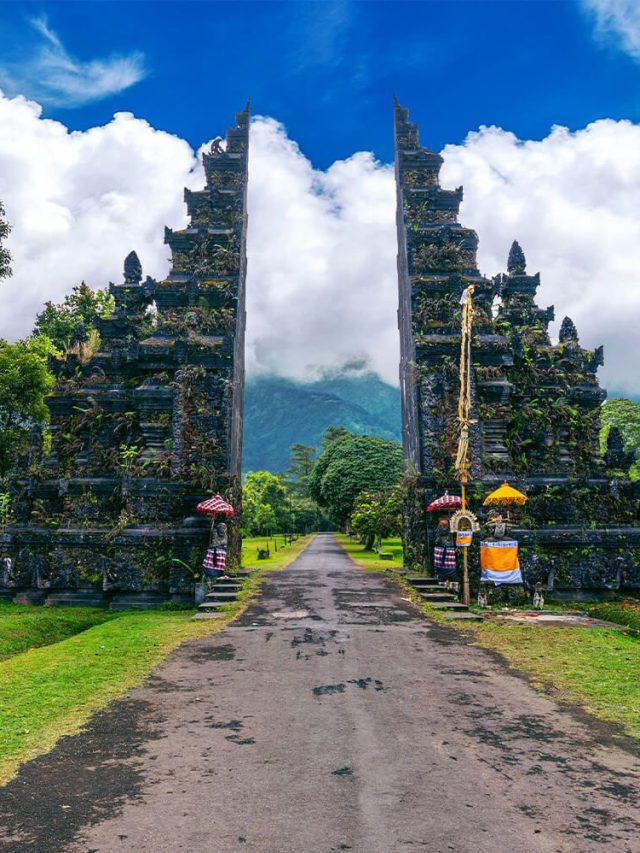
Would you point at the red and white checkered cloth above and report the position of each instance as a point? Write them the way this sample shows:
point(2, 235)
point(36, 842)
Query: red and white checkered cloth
point(215, 560)
point(215, 506)
point(444, 557)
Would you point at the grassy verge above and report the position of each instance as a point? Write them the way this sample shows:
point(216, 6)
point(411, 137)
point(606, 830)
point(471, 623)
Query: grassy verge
point(49, 692)
point(369, 560)
point(24, 627)
point(595, 668)
point(277, 559)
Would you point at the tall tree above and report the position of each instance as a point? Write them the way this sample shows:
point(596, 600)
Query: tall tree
point(5, 257)
point(75, 315)
point(350, 465)
point(303, 458)
point(24, 383)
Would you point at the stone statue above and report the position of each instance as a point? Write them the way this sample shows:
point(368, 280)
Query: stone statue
point(496, 525)
point(219, 536)
point(6, 568)
point(538, 597)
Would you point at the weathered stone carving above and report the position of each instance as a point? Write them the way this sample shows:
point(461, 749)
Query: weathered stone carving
point(536, 405)
point(143, 430)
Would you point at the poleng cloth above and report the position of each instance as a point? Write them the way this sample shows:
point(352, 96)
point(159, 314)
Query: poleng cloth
point(499, 562)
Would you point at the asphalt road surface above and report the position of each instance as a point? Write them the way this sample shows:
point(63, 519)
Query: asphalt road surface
point(332, 716)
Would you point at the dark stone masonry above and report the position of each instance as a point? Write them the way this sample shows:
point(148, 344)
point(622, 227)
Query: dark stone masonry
point(536, 404)
point(149, 425)
point(146, 427)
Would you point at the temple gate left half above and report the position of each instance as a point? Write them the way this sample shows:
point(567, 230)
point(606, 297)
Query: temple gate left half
point(149, 425)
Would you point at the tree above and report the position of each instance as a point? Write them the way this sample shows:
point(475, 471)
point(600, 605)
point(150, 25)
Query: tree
point(5, 257)
point(297, 475)
point(352, 464)
point(24, 382)
point(377, 515)
point(624, 414)
point(265, 503)
point(77, 313)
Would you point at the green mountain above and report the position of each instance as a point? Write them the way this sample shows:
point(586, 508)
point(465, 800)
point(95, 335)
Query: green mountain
point(280, 412)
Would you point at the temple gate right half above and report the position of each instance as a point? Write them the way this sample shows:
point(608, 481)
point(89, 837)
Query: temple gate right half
point(536, 404)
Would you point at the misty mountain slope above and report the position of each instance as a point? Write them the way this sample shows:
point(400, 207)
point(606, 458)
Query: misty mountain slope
point(280, 412)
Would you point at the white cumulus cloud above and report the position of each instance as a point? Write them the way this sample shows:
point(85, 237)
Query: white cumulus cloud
point(617, 20)
point(321, 286)
point(571, 200)
point(55, 77)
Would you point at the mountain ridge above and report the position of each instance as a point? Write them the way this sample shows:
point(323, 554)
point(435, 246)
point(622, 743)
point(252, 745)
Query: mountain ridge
point(279, 412)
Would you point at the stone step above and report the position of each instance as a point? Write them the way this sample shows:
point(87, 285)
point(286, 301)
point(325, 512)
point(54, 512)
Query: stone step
point(227, 587)
point(224, 597)
point(468, 617)
point(449, 605)
point(211, 605)
point(438, 596)
point(422, 580)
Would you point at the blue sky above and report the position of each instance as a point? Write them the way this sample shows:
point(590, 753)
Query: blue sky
point(326, 68)
point(554, 84)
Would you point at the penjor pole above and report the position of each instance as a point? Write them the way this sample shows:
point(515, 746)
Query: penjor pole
point(462, 465)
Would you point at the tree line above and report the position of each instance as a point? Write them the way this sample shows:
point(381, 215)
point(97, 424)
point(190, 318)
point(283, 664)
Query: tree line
point(352, 483)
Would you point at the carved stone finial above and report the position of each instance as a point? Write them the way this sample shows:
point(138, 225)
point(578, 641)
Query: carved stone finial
point(516, 263)
point(216, 147)
point(568, 331)
point(132, 269)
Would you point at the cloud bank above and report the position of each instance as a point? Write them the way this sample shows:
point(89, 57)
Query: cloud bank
point(321, 286)
point(617, 21)
point(54, 77)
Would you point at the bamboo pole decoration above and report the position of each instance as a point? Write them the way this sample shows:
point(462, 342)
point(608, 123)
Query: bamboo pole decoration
point(462, 465)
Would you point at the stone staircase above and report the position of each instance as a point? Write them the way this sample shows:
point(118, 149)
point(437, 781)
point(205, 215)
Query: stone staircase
point(436, 594)
point(224, 592)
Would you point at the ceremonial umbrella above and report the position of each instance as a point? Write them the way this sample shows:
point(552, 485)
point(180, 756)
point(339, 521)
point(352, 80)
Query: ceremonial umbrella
point(446, 501)
point(215, 506)
point(504, 496)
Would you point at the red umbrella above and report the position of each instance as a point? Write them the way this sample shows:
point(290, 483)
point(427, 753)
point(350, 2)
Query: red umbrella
point(215, 506)
point(447, 501)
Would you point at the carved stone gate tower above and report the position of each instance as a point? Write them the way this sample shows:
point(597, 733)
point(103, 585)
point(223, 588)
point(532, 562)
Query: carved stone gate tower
point(536, 405)
point(145, 428)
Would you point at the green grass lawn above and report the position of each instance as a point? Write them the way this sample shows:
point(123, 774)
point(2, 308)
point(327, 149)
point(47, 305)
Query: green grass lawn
point(596, 668)
point(49, 692)
point(23, 627)
point(370, 560)
point(277, 559)
point(60, 665)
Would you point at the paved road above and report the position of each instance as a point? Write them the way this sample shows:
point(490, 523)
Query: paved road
point(331, 717)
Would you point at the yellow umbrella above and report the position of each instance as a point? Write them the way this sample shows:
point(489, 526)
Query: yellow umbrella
point(506, 494)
